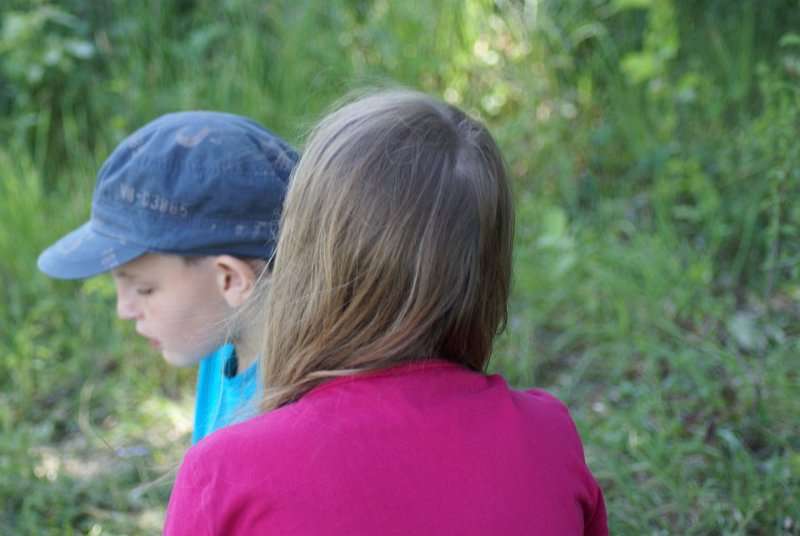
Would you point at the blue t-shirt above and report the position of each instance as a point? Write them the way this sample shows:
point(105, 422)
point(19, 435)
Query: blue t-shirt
point(222, 398)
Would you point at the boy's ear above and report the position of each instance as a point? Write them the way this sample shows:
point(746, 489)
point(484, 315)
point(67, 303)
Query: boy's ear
point(236, 279)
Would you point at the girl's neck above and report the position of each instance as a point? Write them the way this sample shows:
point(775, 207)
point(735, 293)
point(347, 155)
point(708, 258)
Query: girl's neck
point(246, 353)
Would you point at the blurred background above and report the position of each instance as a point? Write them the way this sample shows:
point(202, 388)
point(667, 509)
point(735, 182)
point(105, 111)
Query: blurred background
point(654, 147)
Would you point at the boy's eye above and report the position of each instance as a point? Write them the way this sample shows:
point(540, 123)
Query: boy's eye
point(144, 291)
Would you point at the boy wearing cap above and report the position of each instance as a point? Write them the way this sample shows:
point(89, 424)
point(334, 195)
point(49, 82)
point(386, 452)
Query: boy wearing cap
point(184, 216)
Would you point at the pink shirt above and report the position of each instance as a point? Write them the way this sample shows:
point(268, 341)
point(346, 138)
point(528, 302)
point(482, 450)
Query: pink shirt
point(426, 448)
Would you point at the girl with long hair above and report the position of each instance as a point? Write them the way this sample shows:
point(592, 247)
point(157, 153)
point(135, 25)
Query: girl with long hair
point(390, 283)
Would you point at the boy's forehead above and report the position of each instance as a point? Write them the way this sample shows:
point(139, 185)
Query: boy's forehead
point(126, 272)
point(145, 265)
point(157, 264)
point(121, 273)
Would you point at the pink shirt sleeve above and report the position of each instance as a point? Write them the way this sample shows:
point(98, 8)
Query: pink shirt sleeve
point(187, 513)
point(597, 525)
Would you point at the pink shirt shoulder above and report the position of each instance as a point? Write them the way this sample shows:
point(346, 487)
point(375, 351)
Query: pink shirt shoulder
point(425, 448)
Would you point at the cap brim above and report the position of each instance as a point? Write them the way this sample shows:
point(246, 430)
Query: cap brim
point(84, 253)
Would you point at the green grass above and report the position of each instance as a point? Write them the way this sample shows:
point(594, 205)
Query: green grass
point(653, 151)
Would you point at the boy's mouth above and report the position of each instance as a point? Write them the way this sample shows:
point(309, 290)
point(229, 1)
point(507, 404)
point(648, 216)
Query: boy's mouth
point(155, 343)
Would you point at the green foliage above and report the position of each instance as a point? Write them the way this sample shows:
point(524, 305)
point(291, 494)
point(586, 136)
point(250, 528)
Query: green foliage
point(47, 66)
point(653, 149)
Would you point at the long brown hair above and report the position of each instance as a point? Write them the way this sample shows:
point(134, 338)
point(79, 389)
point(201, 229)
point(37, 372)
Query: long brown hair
point(395, 246)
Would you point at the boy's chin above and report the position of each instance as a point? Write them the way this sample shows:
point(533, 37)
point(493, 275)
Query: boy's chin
point(176, 359)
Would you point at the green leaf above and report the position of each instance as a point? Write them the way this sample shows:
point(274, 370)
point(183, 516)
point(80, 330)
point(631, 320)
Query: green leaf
point(640, 67)
point(623, 5)
point(790, 39)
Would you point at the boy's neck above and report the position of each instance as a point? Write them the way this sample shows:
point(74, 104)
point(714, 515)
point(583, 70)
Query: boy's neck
point(246, 355)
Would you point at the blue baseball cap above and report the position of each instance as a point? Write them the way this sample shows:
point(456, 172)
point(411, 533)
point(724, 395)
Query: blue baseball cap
point(192, 183)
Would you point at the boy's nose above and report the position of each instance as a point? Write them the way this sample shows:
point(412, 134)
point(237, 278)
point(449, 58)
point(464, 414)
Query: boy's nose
point(127, 308)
